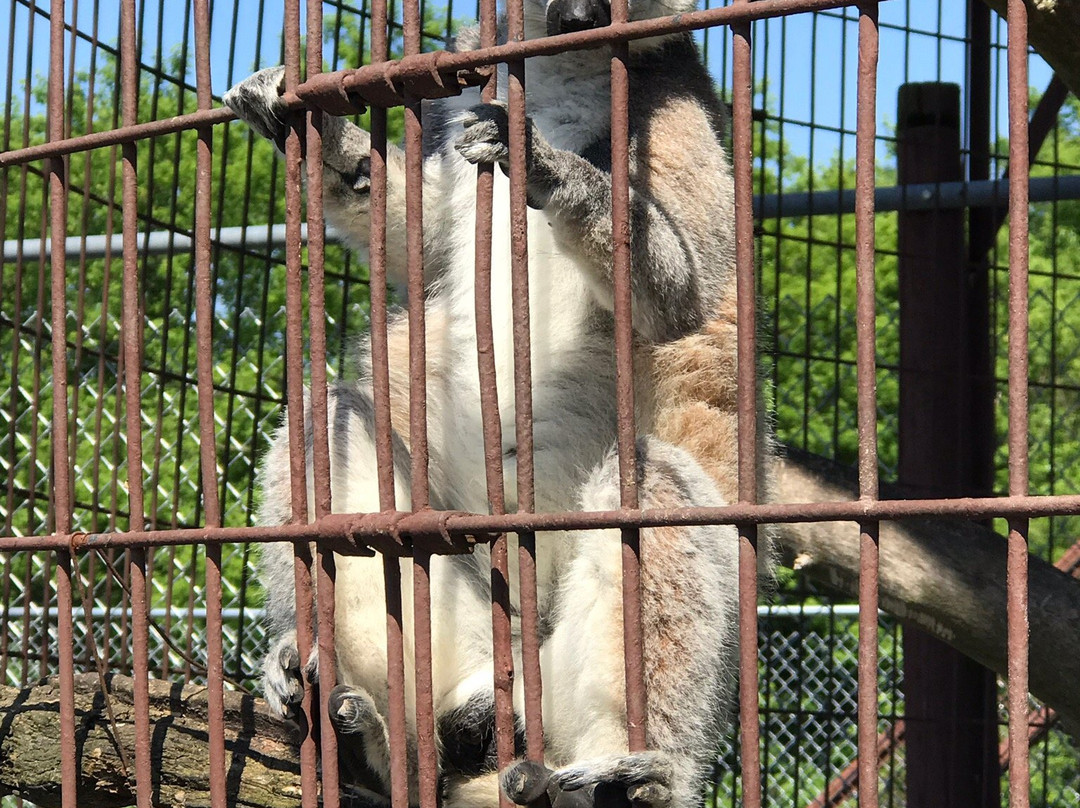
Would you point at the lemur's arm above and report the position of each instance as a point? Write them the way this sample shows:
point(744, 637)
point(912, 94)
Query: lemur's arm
point(346, 152)
point(672, 266)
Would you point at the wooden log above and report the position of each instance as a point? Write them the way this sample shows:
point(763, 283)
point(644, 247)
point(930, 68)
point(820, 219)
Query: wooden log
point(261, 764)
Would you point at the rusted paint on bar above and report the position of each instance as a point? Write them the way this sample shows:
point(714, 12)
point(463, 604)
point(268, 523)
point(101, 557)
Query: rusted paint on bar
point(376, 75)
point(426, 749)
point(742, 156)
point(523, 403)
point(395, 652)
point(633, 634)
point(865, 321)
point(114, 137)
point(1017, 572)
point(132, 347)
point(427, 764)
point(501, 608)
point(347, 533)
point(215, 678)
point(325, 567)
point(61, 469)
point(294, 385)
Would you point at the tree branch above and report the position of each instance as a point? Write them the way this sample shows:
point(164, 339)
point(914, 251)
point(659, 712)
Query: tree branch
point(1052, 31)
point(945, 576)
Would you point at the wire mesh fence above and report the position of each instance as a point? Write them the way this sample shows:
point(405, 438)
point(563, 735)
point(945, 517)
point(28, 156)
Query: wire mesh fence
point(803, 142)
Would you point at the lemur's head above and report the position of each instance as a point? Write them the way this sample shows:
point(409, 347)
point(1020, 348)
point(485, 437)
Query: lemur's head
point(567, 16)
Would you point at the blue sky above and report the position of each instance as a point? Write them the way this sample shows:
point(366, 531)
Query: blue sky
point(807, 62)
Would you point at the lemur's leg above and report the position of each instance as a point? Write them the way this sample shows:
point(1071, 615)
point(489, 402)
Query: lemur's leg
point(360, 614)
point(689, 614)
point(576, 194)
point(346, 154)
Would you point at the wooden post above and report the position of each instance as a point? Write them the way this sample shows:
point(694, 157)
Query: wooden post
point(950, 700)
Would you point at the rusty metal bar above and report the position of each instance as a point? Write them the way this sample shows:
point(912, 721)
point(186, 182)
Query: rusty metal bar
point(747, 400)
point(115, 137)
point(378, 75)
point(347, 532)
point(523, 403)
point(61, 469)
point(294, 388)
point(132, 350)
point(501, 607)
point(633, 632)
point(395, 653)
point(326, 568)
point(427, 763)
point(865, 324)
point(204, 324)
point(1017, 565)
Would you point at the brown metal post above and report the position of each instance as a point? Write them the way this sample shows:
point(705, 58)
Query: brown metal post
point(949, 699)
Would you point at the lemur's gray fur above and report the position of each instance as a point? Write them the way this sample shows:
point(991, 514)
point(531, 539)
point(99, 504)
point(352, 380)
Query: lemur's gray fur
point(682, 213)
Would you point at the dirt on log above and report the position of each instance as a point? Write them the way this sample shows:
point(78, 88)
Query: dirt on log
point(261, 765)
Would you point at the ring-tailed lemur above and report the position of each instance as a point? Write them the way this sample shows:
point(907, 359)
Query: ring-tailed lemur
point(682, 213)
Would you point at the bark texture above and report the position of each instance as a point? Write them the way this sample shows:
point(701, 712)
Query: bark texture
point(261, 767)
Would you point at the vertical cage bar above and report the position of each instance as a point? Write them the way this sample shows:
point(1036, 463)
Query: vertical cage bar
point(204, 325)
point(523, 403)
point(489, 412)
point(395, 654)
point(326, 567)
point(294, 384)
point(1017, 563)
point(132, 347)
point(427, 768)
point(742, 155)
point(633, 639)
point(57, 185)
point(866, 130)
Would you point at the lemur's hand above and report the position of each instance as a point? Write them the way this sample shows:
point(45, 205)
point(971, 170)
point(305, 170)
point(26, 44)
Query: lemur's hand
point(486, 139)
point(257, 101)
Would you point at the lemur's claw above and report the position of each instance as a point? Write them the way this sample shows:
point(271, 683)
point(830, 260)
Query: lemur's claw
point(283, 678)
point(486, 135)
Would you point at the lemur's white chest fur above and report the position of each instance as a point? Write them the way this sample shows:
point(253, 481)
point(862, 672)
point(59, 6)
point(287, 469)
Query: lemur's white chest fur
point(570, 106)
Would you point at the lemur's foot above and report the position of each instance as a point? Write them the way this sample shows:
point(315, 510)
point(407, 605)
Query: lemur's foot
point(486, 139)
point(257, 101)
point(626, 781)
point(642, 768)
point(353, 711)
point(283, 678)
